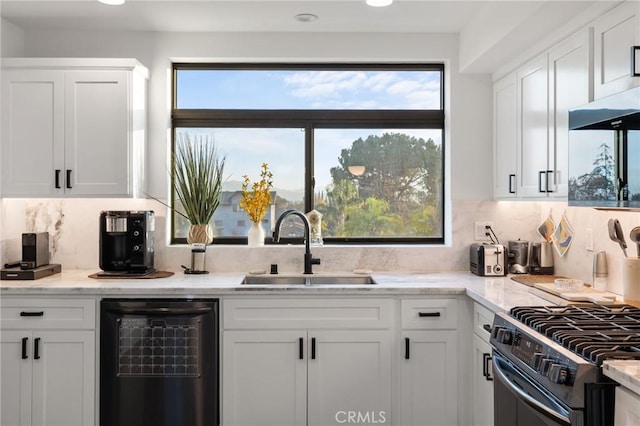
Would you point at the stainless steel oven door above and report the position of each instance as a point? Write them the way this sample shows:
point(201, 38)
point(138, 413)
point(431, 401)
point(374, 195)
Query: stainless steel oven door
point(519, 401)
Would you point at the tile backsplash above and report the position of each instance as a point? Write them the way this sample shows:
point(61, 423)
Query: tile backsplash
point(73, 228)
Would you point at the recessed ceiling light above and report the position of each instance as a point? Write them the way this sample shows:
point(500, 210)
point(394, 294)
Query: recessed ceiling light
point(306, 17)
point(379, 3)
point(112, 2)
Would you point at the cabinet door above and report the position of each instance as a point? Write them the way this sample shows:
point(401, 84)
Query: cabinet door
point(349, 375)
point(627, 411)
point(15, 386)
point(428, 382)
point(63, 377)
point(569, 87)
point(482, 385)
point(533, 128)
point(614, 34)
point(264, 378)
point(32, 132)
point(505, 135)
point(97, 127)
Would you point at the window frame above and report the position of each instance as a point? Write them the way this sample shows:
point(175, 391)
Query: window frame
point(310, 119)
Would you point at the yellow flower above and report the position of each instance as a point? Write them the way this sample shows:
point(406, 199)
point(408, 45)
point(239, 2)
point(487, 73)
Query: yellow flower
point(257, 201)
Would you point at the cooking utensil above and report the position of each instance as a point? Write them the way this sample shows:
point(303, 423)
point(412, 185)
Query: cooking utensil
point(616, 235)
point(634, 236)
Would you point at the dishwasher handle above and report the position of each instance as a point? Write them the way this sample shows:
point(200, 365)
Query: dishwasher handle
point(159, 311)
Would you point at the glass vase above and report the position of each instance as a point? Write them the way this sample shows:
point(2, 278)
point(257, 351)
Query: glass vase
point(256, 235)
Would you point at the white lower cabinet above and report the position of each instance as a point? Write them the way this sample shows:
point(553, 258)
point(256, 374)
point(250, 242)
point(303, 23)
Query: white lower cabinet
point(481, 368)
point(482, 383)
point(48, 375)
point(307, 362)
point(264, 378)
point(627, 411)
point(428, 391)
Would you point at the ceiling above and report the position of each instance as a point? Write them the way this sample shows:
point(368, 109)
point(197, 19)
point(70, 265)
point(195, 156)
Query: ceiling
point(265, 15)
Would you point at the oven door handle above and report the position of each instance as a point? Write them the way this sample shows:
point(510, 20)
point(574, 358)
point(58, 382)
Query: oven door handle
point(499, 371)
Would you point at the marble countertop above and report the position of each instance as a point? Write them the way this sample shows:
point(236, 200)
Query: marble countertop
point(496, 293)
point(627, 373)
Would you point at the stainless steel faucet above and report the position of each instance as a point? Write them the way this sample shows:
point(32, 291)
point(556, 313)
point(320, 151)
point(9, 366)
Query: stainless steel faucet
point(309, 260)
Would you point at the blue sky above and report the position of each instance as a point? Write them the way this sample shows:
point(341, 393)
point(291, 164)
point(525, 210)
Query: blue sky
point(283, 149)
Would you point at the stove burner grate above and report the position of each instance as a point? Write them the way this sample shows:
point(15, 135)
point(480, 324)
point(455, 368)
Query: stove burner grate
point(595, 332)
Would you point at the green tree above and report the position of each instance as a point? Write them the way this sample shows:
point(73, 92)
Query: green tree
point(401, 186)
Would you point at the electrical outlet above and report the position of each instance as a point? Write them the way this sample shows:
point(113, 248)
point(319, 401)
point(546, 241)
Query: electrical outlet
point(588, 236)
point(480, 231)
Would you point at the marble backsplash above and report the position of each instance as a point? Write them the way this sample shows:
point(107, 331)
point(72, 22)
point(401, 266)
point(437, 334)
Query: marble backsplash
point(73, 228)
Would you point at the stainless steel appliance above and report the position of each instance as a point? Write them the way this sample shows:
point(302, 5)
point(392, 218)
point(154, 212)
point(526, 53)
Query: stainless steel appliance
point(541, 258)
point(126, 242)
point(159, 362)
point(488, 260)
point(518, 257)
point(547, 362)
point(604, 152)
point(35, 250)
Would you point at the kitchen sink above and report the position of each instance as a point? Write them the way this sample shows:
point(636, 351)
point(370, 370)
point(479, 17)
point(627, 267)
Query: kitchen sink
point(312, 280)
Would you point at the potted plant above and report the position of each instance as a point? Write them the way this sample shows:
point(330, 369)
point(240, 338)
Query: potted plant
point(197, 177)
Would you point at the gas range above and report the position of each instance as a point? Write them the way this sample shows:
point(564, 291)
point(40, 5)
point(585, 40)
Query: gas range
point(561, 348)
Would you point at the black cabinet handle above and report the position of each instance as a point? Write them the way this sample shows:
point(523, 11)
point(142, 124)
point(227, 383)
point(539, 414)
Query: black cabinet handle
point(540, 174)
point(486, 358)
point(512, 178)
point(58, 178)
point(407, 346)
point(547, 183)
point(32, 314)
point(487, 328)
point(313, 348)
point(301, 348)
point(69, 179)
point(36, 348)
point(24, 348)
point(428, 314)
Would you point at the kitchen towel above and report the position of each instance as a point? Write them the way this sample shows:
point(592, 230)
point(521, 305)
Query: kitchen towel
point(562, 236)
point(547, 228)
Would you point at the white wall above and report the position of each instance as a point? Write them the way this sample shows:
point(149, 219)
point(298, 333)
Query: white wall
point(11, 39)
point(469, 96)
point(73, 223)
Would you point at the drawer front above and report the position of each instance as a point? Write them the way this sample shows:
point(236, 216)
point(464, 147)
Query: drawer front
point(306, 313)
point(482, 321)
point(26, 313)
point(439, 314)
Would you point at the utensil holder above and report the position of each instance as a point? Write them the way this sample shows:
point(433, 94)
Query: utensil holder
point(631, 279)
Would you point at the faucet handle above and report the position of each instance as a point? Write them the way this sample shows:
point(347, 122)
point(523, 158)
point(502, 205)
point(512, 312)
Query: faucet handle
point(315, 261)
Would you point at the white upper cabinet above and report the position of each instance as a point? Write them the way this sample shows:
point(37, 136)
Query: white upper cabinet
point(532, 124)
point(614, 35)
point(569, 87)
point(505, 107)
point(73, 127)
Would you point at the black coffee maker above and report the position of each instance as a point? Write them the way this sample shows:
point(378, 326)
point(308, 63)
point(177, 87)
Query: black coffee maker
point(126, 242)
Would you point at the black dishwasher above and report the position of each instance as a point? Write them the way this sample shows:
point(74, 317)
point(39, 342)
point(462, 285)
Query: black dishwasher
point(159, 362)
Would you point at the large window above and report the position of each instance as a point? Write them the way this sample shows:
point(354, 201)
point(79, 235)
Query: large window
point(362, 144)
